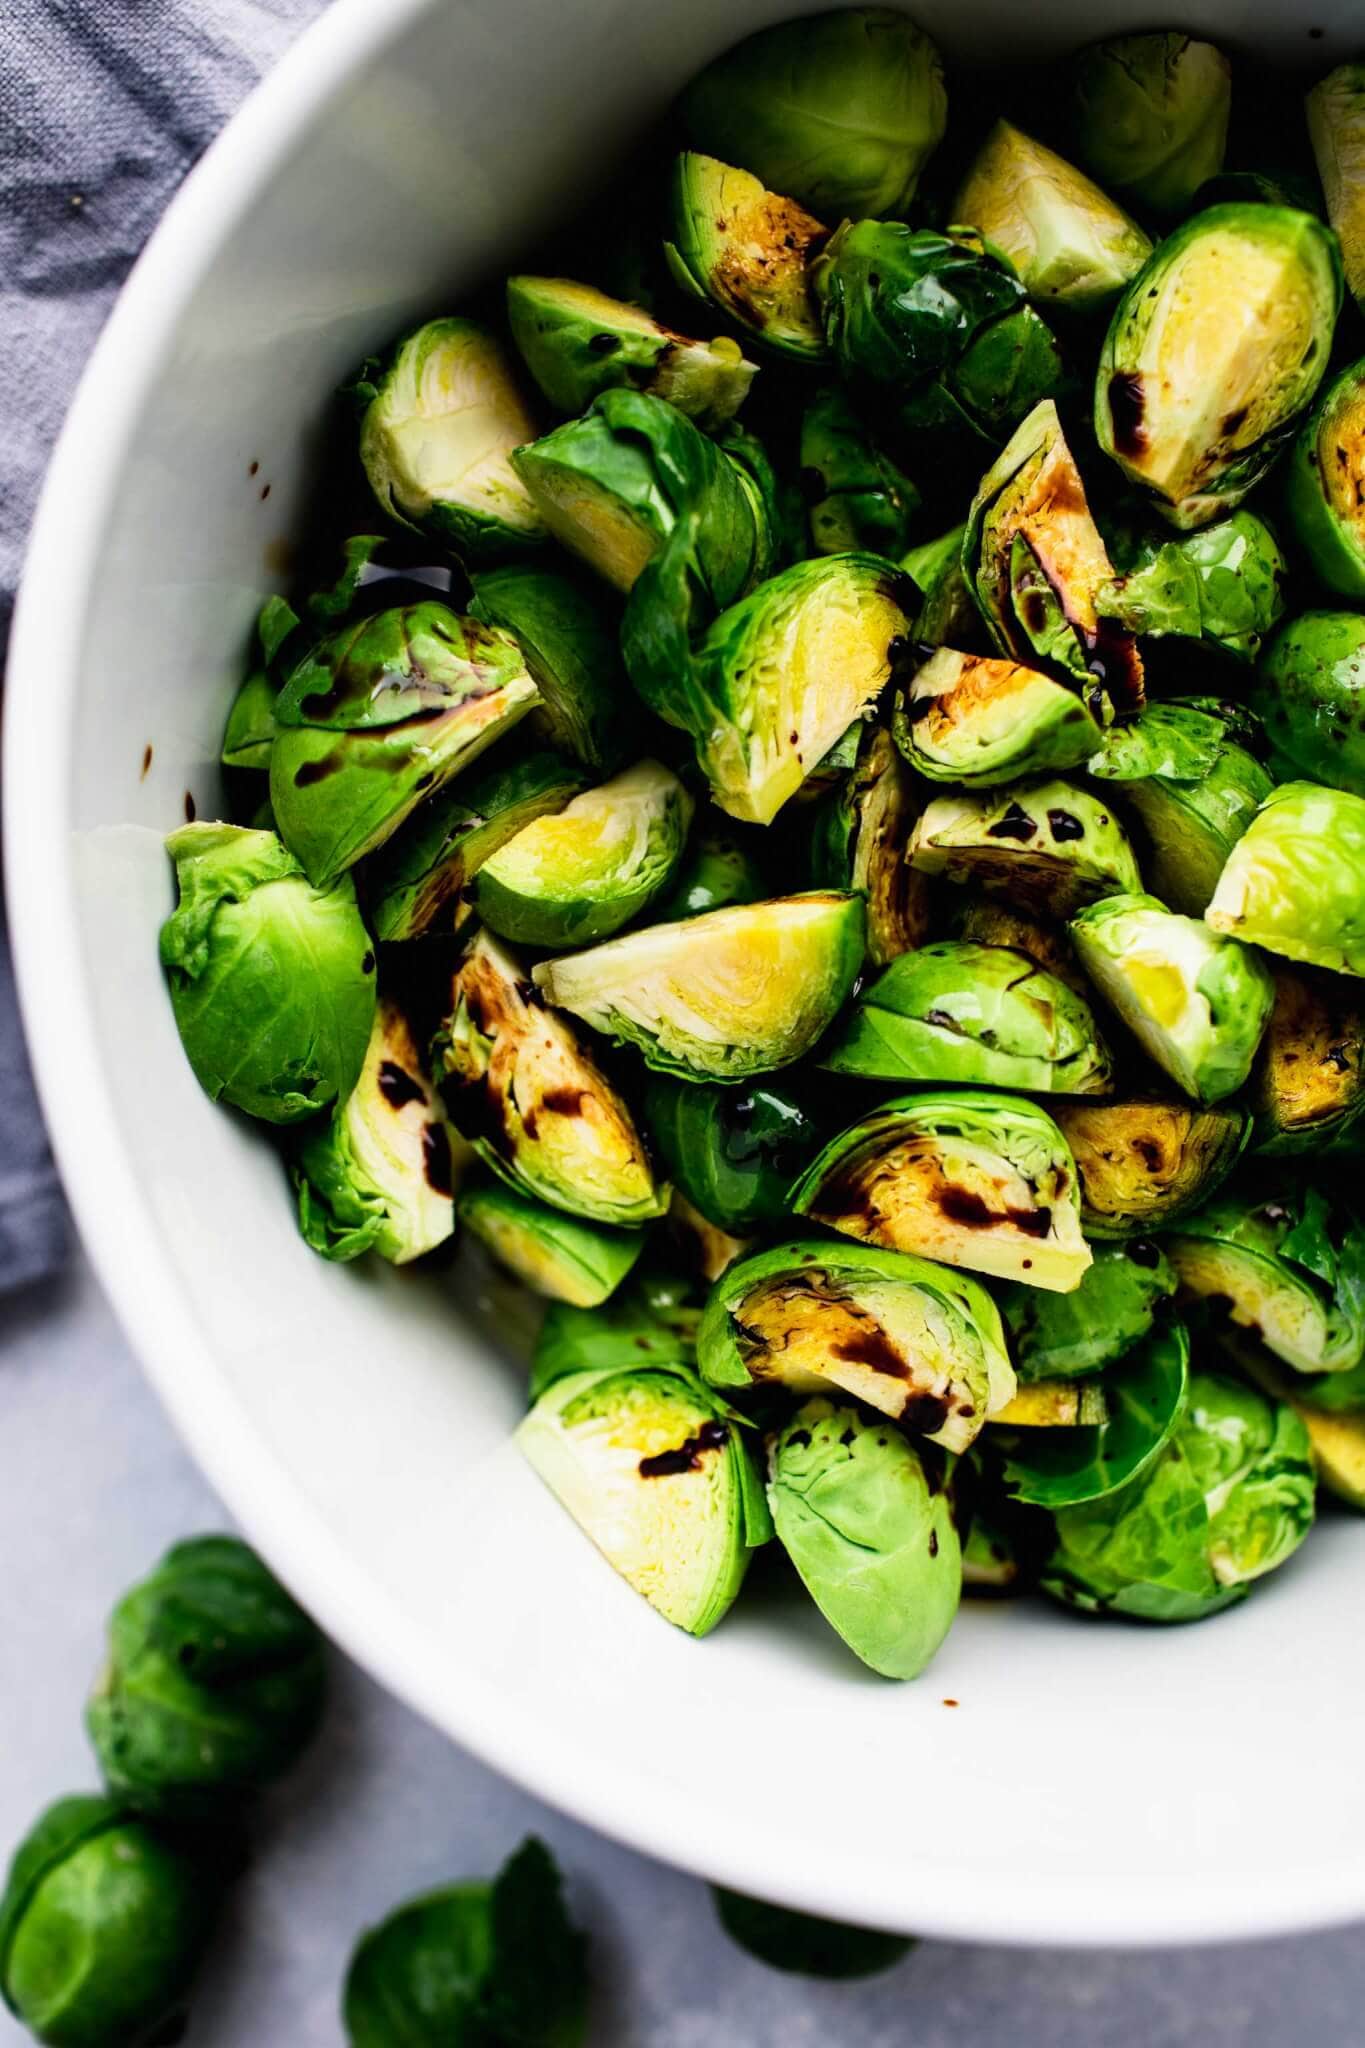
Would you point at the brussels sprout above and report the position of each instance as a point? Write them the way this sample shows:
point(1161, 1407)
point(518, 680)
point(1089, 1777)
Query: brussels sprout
point(976, 720)
point(415, 884)
point(1310, 693)
point(380, 715)
point(634, 1329)
point(213, 1686)
point(1214, 352)
point(1285, 1264)
point(972, 1178)
point(1050, 846)
point(734, 1152)
point(702, 1246)
point(532, 1103)
point(1035, 563)
point(1054, 1404)
point(769, 499)
point(948, 615)
point(577, 342)
point(1198, 1004)
point(1141, 1400)
point(579, 874)
point(932, 330)
point(855, 496)
point(1062, 1336)
point(473, 1963)
point(1295, 881)
point(103, 1924)
point(858, 841)
point(1069, 243)
point(651, 1466)
point(843, 110)
point(987, 921)
point(1309, 1082)
point(800, 1942)
point(1336, 126)
point(271, 980)
point(379, 1176)
point(715, 870)
point(443, 417)
point(1142, 1164)
point(570, 642)
point(748, 251)
point(250, 730)
point(1150, 116)
point(562, 1257)
point(870, 1532)
point(982, 1015)
point(1326, 489)
point(1195, 791)
point(1223, 585)
point(909, 1338)
point(725, 996)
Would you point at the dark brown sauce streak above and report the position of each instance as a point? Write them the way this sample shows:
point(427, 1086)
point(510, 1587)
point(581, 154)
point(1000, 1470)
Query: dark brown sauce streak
point(436, 1159)
point(564, 1101)
point(925, 1414)
point(872, 1348)
point(1014, 824)
point(1127, 403)
point(965, 1206)
point(397, 1087)
point(1065, 825)
point(712, 1436)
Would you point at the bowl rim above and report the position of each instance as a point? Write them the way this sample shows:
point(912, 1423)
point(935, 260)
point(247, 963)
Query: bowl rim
point(121, 1235)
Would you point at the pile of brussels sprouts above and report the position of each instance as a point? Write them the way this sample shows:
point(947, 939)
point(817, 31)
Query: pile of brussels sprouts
point(824, 827)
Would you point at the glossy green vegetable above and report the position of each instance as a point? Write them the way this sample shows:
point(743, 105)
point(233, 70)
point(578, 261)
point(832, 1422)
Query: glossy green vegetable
point(1064, 1336)
point(747, 250)
point(947, 616)
point(565, 1258)
point(578, 342)
point(1336, 125)
point(1071, 245)
point(981, 721)
point(568, 633)
point(1326, 494)
point(1295, 881)
point(855, 495)
point(272, 981)
point(1310, 693)
point(800, 1942)
point(250, 730)
point(1141, 1164)
point(734, 1152)
point(1309, 1083)
point(1143, 1397)
point(1049, 846)
point(859, 838)
point(1150, 116)
point(715, 870)
point(1223, 585)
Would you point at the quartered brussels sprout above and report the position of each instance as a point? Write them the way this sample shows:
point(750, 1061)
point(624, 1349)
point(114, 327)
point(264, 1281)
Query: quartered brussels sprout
point(1326, 494)
point(214, 1683)
point(1035, 563)
point(1310, 693)
point(1309, 1082)
point(579, 874)
point(1197, 1003)
point(1071, 245)
point(870, 1530)
point(985, 1016)
point(532, 1103)
point(1284, 1262)
point(1223, 585)
point(725, 996)
point(858, 841)
point(947, 616)
point(565, 1258)
point(802, 1943)
point(379, 716)
point(380, 1175)
point(855, 496)
point(1150, 116)
point(734, 1152)
point(989, 921)
point(978, 720)
point(1295, 881)
point(443, 416)
point(933, 330)
point(909, 1338)
point(842, 110)
point(569, 637)
point(651, 1320)
point(715, 870)
point(1115, 1430)
point(702, 1246)
point(1336, 125)
point(974, 1179)
point(1050, 846)
point(1054, 1404)
point(1064, 1336)
point(1214, 353)
point(271, 980)
point(748, 251)
point(577, 342)
point(1142, 1164)
point(104, 1921)
point(652, 1467)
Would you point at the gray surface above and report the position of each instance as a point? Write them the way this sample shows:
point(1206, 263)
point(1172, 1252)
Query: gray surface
point(93, 1484)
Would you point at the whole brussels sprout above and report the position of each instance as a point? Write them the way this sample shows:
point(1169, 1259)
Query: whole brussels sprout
point(748, 251)
point(1050, 846)
point(1310, 693)
point(859, 837)
point(1069, 243)
point(272, 981)
point(564, 1258)
point(842, 110)
point(855, 496)
point(1295, 881)
point(213, 1686)
point(1326, 494)
point(578, 342)
point(947, 616)
point(1309, 1083)
point(1223, 585)
point(569, 636)
point(715, 870)
point(1336, 126)
point(979, 721)
point(104, 1920)
point(1142, 1164)
point(1150, 116)
point(870, 1530)
point(800, 1942)
point(734, 1152)
point(1063, 1336)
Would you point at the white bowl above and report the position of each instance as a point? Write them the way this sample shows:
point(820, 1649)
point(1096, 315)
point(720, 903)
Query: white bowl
point(1047, 1780)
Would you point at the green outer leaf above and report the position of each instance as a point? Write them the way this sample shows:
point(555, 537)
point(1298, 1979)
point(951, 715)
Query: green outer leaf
point(1053, 1468)
point(1310, 691)
point(715, 870)
point(1192, 827)
point(1150, 116)
point(1224, 585)
point(568, 633)
point(733, 1152)
point(567, 1258)
point(250, 729)
point(625, 1333)
point(1065, 1336)
point(536, 1991)
point(57, 1833)
point(1178, 742)
point(855, 496)
point(1295, 881)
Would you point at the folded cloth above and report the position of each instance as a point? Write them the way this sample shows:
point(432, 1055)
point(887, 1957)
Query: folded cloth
point(104, 105)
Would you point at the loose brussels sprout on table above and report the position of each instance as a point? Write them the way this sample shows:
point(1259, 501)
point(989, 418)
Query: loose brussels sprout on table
point(804, 1944)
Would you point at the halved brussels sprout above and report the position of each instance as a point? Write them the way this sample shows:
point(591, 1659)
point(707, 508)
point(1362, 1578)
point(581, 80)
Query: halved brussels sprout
point(1142, 1164)
point(380, 716)
point(1310, 693)
point(748, 251)
point(565, 1258)
point(858, 841)
point(637, 1327)
point(1309, 1083)
point(532, 1103)
point(1336, 126)
point(1063, 1336)
point(1068, 241)
point(579, 874)
point(1214, 352)
point(570, 640)
point(1223, 585)
point(982, 1015)
point(380, 1175)
point(1198, 1004)
point(855, 496)
point(1295, 881)
point(651, 1466)
point(843, 110)
point(1141, 1399)
point(271, 980)
point(1326, 494)
point(947, 615)
point(909, 1338)
point(715, 870)
point(973, 719)
point(443, 418)
point(832, 770)
point(870, 1531)
point(1055, 1404)
point(1150, 116)
point(974, 1179)
point(734, 1152)
point(988, 921)
point(725, 996)
point(1193, 788)
point(1048, 845)
point(577, 342)
point(1035, 563)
